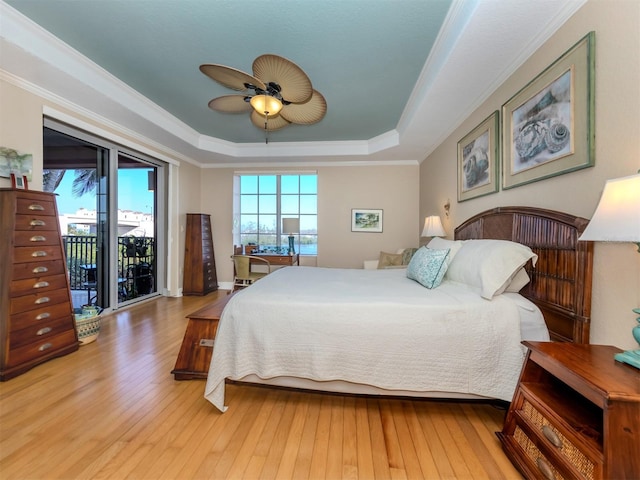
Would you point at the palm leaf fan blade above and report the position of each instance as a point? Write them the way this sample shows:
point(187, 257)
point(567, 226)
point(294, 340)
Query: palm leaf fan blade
point(230, 104)
point(230, 77)
point(307, 113)
point(294, 83)
point(273, 123)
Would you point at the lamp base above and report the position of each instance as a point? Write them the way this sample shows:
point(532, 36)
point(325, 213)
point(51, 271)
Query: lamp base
point(292, 250)
point(631, 357)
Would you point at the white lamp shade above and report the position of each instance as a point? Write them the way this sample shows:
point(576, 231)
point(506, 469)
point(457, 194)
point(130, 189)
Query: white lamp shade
point(266, 105)
point(617, 217)
point(290, 225)
point(433, 227)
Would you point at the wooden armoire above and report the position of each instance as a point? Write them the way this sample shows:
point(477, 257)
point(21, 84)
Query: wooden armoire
point(199, 262)
point(36, 313)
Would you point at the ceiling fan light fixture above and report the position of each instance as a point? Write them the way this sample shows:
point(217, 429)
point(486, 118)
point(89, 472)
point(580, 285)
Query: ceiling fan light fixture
point(266, 105)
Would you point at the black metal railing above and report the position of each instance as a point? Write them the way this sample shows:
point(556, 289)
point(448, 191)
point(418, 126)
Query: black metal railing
point(136, 257)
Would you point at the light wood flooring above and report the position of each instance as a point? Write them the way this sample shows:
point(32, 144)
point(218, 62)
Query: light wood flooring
point(113, 410)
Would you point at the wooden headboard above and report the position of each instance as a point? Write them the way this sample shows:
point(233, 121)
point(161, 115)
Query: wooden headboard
point(561, 280)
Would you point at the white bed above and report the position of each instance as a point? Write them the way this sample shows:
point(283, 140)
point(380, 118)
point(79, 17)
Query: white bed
point(348, 330)
point(367, 331)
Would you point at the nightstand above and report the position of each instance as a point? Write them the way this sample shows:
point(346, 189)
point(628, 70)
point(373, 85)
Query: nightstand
point(575, 414)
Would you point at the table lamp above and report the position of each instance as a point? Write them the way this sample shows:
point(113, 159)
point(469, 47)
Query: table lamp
point(617, 219)
point(433, 227)
point(291, 226)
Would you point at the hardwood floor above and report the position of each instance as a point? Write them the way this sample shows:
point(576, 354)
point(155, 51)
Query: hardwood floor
point(113, 410)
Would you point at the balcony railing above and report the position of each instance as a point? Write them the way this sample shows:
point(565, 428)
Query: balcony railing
point(136, 261)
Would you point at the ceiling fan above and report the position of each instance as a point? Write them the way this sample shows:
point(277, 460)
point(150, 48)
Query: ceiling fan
point(278, 93)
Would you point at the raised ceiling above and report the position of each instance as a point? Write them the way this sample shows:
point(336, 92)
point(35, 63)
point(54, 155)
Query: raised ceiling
point(398, 76)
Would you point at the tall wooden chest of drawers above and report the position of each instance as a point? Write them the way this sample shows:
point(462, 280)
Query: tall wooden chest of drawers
point(36, 313)
point(199, 262)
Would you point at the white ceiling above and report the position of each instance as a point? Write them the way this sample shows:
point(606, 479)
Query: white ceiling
point(398, 75)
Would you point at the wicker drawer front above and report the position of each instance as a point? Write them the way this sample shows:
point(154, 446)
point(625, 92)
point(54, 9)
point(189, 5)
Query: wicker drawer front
point(30, 270)
point(41, 348)
point(38, 300)
point(40, 316)
point(38, 284)
point(38, 333)
point(546, 468)
point(574, 456)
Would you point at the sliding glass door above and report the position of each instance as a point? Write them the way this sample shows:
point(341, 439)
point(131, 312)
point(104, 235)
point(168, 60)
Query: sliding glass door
point(136, 228)
point(111, 207)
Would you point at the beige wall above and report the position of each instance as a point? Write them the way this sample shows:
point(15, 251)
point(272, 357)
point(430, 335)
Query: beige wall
point(616, 281)
point(21, 129)
point(393, 189)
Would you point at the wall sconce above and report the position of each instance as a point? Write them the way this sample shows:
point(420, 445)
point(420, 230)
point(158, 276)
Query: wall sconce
point(447, 207)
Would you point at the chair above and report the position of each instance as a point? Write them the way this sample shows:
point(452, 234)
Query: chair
point(90, 282)
point(242, 274)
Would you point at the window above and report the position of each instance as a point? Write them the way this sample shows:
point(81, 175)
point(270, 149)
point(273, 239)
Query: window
point(262, 201)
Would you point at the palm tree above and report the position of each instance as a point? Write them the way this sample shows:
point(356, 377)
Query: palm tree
point(85, 181)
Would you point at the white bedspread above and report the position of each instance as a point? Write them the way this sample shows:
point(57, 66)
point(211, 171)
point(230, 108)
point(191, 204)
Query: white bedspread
point(374, 327)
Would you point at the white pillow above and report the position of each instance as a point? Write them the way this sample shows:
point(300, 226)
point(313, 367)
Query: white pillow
point(489, 264)
point(453, 246)
point(518, 282)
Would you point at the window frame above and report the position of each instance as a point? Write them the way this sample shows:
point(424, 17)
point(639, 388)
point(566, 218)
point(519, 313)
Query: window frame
point(278, 239)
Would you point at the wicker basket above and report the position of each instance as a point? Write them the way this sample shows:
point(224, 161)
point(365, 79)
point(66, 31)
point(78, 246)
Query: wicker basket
point(88, 328)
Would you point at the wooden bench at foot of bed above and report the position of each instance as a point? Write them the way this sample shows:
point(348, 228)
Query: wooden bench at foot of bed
point(197, 345)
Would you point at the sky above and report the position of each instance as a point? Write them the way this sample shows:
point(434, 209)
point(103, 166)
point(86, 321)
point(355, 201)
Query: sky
point(133, 193)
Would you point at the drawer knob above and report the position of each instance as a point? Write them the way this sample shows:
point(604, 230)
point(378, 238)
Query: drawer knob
point(44, 330)
point(41, 284)
point(39, 253)
point(42, 300)
point(38, 238)
point(545, 468)
point(37, 223)
point(552, 436)
point(45, 346)
point(36, 207)
point(43, 315)
point(40, 270)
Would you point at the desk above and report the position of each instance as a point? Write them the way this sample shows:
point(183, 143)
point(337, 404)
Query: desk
point(276, 259)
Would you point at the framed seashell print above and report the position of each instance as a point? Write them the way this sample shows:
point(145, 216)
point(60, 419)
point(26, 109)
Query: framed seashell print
point(478, 154)
point(548, 126)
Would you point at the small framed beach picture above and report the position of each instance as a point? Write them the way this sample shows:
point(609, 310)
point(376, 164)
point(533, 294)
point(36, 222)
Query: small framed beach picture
point(366, 220)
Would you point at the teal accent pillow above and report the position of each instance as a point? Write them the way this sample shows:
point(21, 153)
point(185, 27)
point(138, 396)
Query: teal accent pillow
point(428, 266)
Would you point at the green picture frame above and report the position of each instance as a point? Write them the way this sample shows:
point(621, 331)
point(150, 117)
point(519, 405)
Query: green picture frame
point(548, 126)
point(478, 154)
